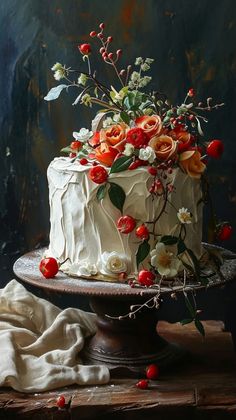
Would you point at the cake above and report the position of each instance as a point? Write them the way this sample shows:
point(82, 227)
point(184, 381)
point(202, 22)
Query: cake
point(127, 201)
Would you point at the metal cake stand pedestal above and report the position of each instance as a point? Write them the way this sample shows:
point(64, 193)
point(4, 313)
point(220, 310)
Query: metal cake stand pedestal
point(128, 344)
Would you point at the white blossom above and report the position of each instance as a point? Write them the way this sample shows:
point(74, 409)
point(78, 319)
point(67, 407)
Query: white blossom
point(145, 67)
point(129, 149)
point(83, 135)
point(166, 263)
point(82, 79)
point(184, 216)
point(147, 154)
point(138, 61)
point(113, 263)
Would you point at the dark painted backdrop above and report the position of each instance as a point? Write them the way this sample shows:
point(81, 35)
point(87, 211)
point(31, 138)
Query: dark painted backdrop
point(193, 43)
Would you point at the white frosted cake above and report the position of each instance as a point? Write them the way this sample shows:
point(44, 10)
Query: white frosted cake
point(84, 232)
point(127, 201)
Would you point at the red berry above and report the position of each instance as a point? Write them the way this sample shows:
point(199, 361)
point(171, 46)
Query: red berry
point(93, 34)
point(109, 39)
point(136, 164)
point(49, 267)
point(215, 148)
point(104, 55)
point(146, 278)
point(83, 161)
point(110, 56)
point(102, 25)
point(118, 53)
point(142, 384)
point(142, 232)
point(98, 174)
point(191, 117)
point(191, 92)
point(61, 402)
point(225, 233)
point(72, 155)
point(100, 35)
point(125, 224)
point(152, 170)
point(85, 49)
point(75, 145)
point(102, 50)
point(152, 371)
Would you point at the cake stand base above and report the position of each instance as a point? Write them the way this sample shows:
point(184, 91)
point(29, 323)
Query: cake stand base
point(127, 344)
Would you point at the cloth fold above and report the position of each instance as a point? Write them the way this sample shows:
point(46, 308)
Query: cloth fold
point(40, 343)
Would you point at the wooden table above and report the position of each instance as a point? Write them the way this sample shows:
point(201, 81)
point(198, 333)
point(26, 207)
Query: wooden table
point(204, 387)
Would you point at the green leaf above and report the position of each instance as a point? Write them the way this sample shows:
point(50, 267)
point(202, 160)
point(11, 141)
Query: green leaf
point(66, 149)
point(181, 246)
point(101, 192)
point(125, 117)
point(142, 252)
point(186, 321)
point(199, 326)
point(189, 306)
point(121, 164)
point(169, 240)
point(117, 195)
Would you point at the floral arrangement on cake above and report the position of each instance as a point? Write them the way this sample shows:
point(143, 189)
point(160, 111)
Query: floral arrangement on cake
point(140, 128)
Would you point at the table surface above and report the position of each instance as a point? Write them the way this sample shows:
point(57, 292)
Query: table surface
point(204, 385)
point(27, 269)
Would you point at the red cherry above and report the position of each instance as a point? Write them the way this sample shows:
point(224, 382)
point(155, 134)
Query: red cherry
point(191, 92)
point(49, 267)
point(142, 384)
point(126, 224)
point(142, 232)
point(152, 371)
point(98, 174)
point(152, 170)
point(215, 149)
point(75, 145)
point(93, 34)
point(146, 278)
point(225, 233)
point(85, 49)
point(102, 25)
point(61, 402)
point(83, 161)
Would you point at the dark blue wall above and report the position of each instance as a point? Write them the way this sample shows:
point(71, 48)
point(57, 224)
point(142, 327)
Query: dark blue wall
point(193, 43)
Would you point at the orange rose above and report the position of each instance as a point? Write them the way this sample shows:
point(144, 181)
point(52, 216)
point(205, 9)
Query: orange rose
point(164, 146)
point(105, 154)
point(183, 137)
point(190, 162)
point(114, 135)
point(151, 125)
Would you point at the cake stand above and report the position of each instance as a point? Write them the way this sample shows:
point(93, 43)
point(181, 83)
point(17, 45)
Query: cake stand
point(126, 344)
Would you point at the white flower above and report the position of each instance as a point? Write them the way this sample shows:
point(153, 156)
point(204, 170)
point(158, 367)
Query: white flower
point(57, 66)
point(147, 154)
point(129, 149)
point(83, 135)
point(82, 80)
point(138, 61)
point(108, 121)
point(149, 60)
point(145, 67)
point(113, 263)
point(184, 216)
point(144, 81)
point(165, 261)
point(60, 71)
point(135, 76)
point(58, 75)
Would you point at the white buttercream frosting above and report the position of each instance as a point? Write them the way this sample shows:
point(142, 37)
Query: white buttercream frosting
point(83, 229)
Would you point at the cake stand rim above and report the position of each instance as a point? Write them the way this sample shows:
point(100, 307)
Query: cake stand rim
point(26, 269)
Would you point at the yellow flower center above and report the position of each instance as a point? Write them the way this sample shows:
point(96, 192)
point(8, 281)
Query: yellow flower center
point(164, 259)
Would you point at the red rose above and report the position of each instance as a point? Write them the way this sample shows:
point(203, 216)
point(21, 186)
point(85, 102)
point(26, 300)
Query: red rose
point(137, 137)
point(98, 174)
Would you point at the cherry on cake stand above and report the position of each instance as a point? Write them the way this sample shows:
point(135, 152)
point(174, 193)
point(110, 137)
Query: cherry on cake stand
point(125, 345)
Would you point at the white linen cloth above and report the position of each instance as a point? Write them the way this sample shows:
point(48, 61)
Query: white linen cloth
point(40, 343)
